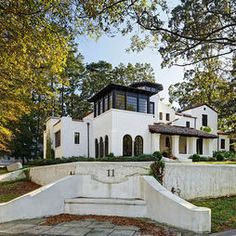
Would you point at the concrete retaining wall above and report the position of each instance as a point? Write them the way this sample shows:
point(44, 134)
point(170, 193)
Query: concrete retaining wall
point(159, 204)
point(188, 180)
point(45, 201)
point(200, 180)
point(15, 175)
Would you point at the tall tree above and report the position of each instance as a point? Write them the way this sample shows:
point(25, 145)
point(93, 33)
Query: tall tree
point(205, 84)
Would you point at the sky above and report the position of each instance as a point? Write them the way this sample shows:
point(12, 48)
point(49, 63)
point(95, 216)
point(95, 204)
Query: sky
point(113, 50)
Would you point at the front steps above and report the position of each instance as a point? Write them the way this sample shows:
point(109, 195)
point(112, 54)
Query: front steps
point(106, 206)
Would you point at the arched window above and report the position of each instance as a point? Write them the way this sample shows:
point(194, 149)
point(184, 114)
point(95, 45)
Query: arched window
point(101, 147)
point(138, 146)
point(106, 146)
point(96, 148)
point(127, 145)
point(168, 142)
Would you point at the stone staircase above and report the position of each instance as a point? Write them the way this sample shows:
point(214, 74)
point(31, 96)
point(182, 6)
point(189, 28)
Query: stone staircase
point(106, 206)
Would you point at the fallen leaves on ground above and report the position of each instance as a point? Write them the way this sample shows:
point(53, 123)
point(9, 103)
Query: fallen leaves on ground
point(144, 226)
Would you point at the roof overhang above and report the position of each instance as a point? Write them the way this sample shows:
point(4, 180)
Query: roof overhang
point(179, 130)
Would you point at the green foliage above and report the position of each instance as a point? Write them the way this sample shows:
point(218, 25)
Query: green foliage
point(157, 170)
point(206, 129)
point(195, 157)
point(223, 212)
point(224, 155)
point(49, 151)
point(27, 173)
point(206, 84)
point(41, 162)
point(157, 155)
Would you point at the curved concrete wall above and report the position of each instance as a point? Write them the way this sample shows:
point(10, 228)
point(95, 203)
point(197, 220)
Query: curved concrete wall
point(189, 180)
point(158, 203)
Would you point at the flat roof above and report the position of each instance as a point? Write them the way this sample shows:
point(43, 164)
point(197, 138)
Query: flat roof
point(112, 87)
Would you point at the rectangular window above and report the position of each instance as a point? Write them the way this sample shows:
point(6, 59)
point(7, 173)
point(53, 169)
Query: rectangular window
point(101, 106)
point(222, 144)
point(106, 103)
point(132, 102)
point(120, 100)
point(160, 116)
point(152, 107)
point(204, 120)
point(76, 137)
point(96, 109)
point(142, 104)
point(168, 116)
point(58, 138)
point(187, 124)
point(110, 101)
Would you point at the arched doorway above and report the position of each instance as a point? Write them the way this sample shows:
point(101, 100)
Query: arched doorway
point(101, 147)
point(106, 146)
point(127, 145)
point(138, 146)
point(96, 148)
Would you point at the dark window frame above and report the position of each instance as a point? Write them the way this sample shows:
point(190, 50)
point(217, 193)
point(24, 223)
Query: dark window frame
point(76, 137)
point(57, 136)
point(106, 146)
point(101, 147)
point(167, 142)
point(96, 148)
point(188, 124)
point(204, 120)
point(152, 107)
point(222, 143)
point(160, 115)
point(138, 145)
point(127, 145)
point(167, 116)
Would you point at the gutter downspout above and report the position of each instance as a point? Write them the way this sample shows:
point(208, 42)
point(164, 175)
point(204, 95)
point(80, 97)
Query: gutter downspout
point(88, 138)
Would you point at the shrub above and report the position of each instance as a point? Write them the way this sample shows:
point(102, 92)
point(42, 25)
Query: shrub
point(228, 155)
point(219, 156)
point(157, 155)
point(41, 162)
point(195, 157)
point(111, 154)
point(157, 170)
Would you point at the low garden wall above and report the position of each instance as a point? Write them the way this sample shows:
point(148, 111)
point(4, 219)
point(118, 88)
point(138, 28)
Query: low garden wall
point(12, 176)
point(191, 181)
point(188, 180)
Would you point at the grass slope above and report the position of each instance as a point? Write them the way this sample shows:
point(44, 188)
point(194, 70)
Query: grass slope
point(14, 189)
point(223, 212)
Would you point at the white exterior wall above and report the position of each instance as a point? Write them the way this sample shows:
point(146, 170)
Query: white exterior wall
point(164, 108)
point(199, 111)
point(227, 142)
point(133, 124)
point(102, 126)
point(49, 131)
point(182, 121)
point(212, 120)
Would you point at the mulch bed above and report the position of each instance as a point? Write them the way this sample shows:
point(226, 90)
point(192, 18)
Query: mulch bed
point(19, 187)
point(145, 227)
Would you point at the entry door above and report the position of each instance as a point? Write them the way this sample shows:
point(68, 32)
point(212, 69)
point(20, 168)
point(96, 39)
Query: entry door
point(200, 146)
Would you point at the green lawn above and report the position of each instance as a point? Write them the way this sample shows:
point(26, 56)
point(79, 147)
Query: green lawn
point(223, 212)
point(14, 189)
point(216, 162)
point(3, 171)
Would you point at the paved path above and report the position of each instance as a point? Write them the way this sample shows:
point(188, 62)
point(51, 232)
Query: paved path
point(78, 228)
point(83, 228)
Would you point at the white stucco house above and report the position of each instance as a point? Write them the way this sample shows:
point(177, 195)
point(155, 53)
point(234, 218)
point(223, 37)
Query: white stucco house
point(132, 120)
